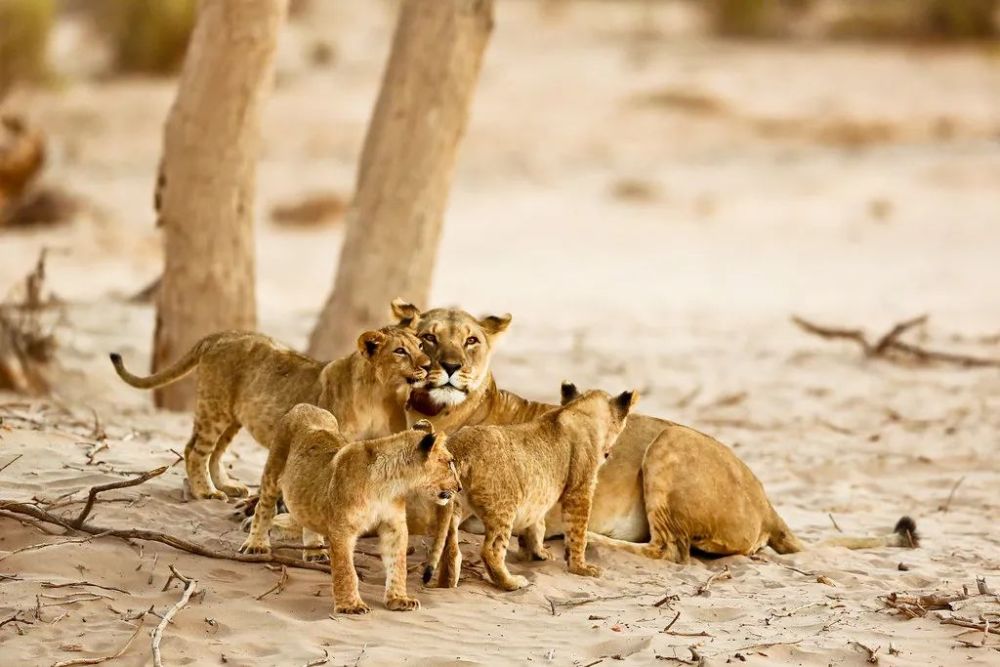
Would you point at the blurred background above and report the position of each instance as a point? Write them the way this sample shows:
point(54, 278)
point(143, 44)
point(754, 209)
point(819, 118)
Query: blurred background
point(680, 175)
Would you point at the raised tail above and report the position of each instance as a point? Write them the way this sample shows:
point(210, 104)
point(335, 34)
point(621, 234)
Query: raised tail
point(442, 532)
point(184, 365)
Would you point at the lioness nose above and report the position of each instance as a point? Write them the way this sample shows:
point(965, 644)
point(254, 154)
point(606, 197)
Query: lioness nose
point(450, 368)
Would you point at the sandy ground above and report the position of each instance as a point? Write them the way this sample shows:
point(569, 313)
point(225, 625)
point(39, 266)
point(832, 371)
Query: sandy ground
point(652, 208)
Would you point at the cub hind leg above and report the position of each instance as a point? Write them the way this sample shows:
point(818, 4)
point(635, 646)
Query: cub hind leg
point(220, 477)
point(209, 426)
point(531, 543)
point(313, 551)
point(393, 536)
point(494, 551)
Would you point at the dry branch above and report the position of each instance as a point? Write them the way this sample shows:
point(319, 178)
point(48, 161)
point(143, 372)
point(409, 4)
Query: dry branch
point(718, 576)
point(92, 495)
point(278, 587)
point(189, 587)
point(889, 347)
point(95, 661)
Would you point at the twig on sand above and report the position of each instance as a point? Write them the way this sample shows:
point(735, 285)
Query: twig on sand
point(718, 576)
point(6, 465)
point(319, 661)
point(834, 522)
point(278, 587)
point(675, 633)
point(163, 538)
point(189, 587)
point(872, 652)
point(983, 627)
point(36, 547)
point(105, 658)
point(78, 584)
point(983, 588)
point(577, 603)
point(947, 503)
point(94, 490)
point(890, 343)
point(671, 623)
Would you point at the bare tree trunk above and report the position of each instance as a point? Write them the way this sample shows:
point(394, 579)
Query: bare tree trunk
point(406, 167)
point(205, 191)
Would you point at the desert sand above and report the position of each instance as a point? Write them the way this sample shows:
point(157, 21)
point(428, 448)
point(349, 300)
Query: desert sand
point(652, 207)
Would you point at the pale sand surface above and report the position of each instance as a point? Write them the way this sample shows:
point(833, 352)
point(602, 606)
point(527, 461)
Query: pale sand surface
point(749, 215)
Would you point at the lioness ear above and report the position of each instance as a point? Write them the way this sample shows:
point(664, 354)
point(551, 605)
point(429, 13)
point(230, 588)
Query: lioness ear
point(404, 311)
point(495, 324)
point(568, 392)
point(369, 341)
point(626, 400)
point(423, 425)
point(427, 443)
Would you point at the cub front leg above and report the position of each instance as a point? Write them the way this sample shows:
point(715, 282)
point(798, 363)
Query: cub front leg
point(576, 516)
point(346, 599)
point(259, 541)
point(393, 537)
point(313, 551)
point(531, 543)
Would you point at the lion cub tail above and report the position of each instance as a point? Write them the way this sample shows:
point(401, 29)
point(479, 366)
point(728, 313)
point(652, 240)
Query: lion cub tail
point(904, 535)
point(441, 534)
point(184, 365)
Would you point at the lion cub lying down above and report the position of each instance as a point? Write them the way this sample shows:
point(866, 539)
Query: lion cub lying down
point(513, 476)
point(248, 379)
point(341, 489)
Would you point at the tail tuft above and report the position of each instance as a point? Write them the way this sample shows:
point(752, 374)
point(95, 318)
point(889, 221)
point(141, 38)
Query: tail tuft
point(907, 529)
point(116, 359)
point(428, 574)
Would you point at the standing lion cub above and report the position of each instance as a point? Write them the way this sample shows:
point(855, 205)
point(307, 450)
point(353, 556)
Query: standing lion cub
point(340, 489)
point(513, 476)
point(248, 379)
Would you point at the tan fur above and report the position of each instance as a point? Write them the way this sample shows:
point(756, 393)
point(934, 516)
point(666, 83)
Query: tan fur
point(665, 489)
point(514, 475)
point(339, 489)
point(250, 380)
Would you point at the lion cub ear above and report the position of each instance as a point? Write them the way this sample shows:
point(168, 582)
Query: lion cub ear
point(495, 324)
point(626, 400)
point(427, 443)
point(404, 311)
point(423, 425)
point(369, 342)
point(568, 391)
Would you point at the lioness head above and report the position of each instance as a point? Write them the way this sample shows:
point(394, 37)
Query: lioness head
point(396, 354)
point(437, 464)
point(610, 412)
point(459, 345)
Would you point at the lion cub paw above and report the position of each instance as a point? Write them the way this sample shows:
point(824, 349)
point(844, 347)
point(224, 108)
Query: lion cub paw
point(356, 607)
point(541, 554)
point(315, 556)
point(516, 582)
point(252, 546)
point(402, 604)
point(586, 570)
point(235, 490)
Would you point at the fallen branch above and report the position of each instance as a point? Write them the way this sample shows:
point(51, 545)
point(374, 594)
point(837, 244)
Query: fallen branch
point(917, 606)
point(74, 584)
point(189, 587)
point(319, 661)
point(36, 547)
point(278, 587)
point(947, 503)
point(984, 627)
point(872, 652)
point(6, 465)
point(95, 661)
point(889, 343)
point(162, 538)
point(92, 495)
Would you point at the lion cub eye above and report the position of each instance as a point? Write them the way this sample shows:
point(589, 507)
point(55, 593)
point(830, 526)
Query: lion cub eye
point(429, 338)
point(471, 340)
point(400, 351)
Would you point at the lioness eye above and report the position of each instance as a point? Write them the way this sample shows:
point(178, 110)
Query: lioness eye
point(471, 340)
point(400, 351)
point(430, 338)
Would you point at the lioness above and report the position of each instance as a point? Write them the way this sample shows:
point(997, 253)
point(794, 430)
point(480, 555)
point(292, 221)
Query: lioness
point(248, 379)
point(514, 475)
point(665, 489)
point(340, 489)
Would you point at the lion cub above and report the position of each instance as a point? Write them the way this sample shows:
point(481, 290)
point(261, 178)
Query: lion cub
point(513, 475)
point(248, 379)
point(341, 489)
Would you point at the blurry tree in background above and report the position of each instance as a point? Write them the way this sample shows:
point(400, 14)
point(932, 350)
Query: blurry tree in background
point(148, 36)
point(205, 190)
point(406, 167)
point(24, 37)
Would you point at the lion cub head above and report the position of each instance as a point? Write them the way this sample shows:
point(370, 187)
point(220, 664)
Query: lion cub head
point(609, 412)
point(436, 464)
point(396, 354)
point(460, 347)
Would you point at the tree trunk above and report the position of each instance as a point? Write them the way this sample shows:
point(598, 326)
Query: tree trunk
point(406, 167)
point(205, 190)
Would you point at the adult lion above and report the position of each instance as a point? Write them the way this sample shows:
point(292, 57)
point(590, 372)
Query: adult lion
point(665, 489)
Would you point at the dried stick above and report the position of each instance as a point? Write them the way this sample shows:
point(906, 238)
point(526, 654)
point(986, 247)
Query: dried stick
point(872, 652)
point(189, 587)
point(36, 547)
point(278, 587)
point(163, 538)
point(94, 490)
point(834, 522)
point(94, 661)
point(73, 584)
point(319, 661)
point(725, 574)
point(947, 503)
point(889, 342)
point(972, 625)
point(6, 465)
